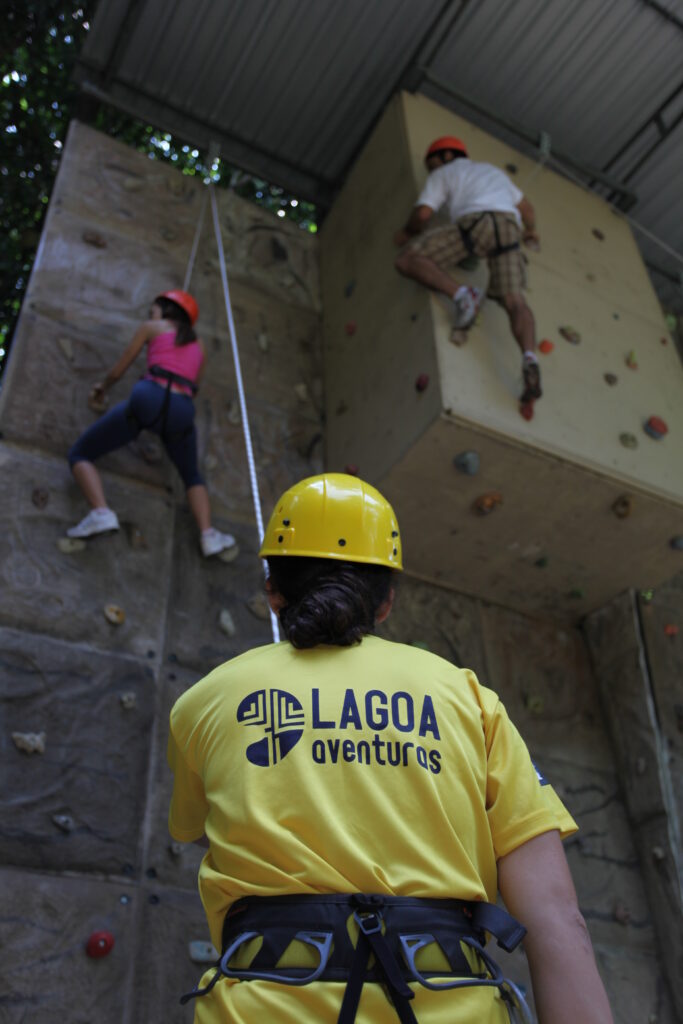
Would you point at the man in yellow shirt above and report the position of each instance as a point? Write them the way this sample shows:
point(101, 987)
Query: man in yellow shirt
point(378, 789)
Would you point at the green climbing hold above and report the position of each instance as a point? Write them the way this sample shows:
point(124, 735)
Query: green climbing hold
point(419, 643)
point(576, 593)
point(541, 562)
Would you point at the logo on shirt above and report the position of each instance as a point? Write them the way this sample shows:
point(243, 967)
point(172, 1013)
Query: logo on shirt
point(281, 717)
point(541, 778)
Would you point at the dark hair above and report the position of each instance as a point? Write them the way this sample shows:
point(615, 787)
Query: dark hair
point(457, 154)
point(170, 310)
point(328, 601)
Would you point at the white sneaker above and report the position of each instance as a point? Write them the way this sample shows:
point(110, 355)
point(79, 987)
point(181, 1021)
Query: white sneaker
point(466, 302)
point(213, 542)
point(98, 520)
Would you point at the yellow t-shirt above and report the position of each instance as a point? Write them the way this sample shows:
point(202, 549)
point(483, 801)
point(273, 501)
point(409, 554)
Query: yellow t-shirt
point(374, 768)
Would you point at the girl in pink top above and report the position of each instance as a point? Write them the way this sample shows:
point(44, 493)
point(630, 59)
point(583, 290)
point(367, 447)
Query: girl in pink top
point(162, 402)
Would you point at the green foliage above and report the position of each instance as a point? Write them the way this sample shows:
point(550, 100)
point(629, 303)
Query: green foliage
point(37, 99)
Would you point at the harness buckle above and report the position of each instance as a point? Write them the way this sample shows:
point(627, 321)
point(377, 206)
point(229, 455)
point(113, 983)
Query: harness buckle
point(370, 923)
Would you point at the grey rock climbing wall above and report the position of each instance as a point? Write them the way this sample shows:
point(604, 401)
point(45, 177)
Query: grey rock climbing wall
point(83, 832)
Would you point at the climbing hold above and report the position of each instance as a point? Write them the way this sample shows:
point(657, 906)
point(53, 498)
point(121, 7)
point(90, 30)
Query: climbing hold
point(234, 413)
point(350, 327)
point(351, 468)
point(631, 360)
point(210, 462)
point(655, 427)
point(422, 382)
point(590, 277)
point(511, 168)
point(113, 614)
point(664, 341)
point(647, 595)
point(621, 913)
point(168, 234)
point(226, 622)
point(610, 378)
point(67, 347)
point(576, 593)
point(176, 849)
point(150, 449)
point(348, 290)
point(228, 555)
point(467, 462)
point(136, 537)
point(93, 238)
point(98, 402)
point(124, 899)
point(641, 765)
point(40, 497)
point(676, 543)
point(420, 644)
point(70, 545)
point(671, 629)
point(571, 335)
point(486, 503)
point(30, 742)
point(64, 822)
point(258, 606)
point(546, 347)
point(615, 316)
point(671, 321)
point(99, 944)
point(151, 873)
point(658, 853)
point(597, 233)
point(129, 700)
point(301, 391)
point(341, 408)
point(458, 337)
point(413, 317)
point(154, 899)
point(622, 507)
point(202, 952)
point(533, 702)
point(628, 440)
point(263, 341)
point(526, 409)
point(541, 562)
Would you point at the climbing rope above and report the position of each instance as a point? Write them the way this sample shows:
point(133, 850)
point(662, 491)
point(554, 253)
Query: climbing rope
point(240, 389)
point(195, 243)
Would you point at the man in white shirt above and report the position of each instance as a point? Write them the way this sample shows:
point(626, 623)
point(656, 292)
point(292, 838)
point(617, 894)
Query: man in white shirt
point(489, 217)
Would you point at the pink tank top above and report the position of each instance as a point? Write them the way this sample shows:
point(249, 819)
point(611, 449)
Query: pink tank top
point(185, 360)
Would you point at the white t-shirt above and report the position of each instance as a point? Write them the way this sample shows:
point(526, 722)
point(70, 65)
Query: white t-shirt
point(469, 187)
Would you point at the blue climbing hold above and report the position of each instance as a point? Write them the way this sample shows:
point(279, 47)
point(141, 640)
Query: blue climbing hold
point(467, 462)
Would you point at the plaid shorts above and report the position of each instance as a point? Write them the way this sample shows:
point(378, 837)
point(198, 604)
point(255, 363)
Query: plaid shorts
point(446, 247)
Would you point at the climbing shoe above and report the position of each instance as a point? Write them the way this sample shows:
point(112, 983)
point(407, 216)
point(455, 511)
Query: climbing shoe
point(98, 520)
point(531, 372)
point(213, 542)
point(466, 302)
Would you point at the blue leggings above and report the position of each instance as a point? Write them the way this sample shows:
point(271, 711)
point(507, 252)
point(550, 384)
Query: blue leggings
point(142, 411)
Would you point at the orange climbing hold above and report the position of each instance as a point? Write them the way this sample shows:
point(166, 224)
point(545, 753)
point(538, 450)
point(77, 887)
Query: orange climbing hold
point(670, 629)
point(656, 427)
point(486, 503)
point(526, 410)
point(546, 347)
point(631, 360)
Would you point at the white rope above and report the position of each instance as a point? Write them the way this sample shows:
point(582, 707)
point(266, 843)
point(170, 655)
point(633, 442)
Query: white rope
point(240, 390)
point(195, 243)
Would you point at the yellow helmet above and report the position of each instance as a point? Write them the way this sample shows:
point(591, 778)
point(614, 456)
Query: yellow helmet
point(334, 515)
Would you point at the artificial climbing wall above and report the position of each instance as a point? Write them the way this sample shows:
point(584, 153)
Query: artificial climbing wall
point(403, 400)
point(83, 838)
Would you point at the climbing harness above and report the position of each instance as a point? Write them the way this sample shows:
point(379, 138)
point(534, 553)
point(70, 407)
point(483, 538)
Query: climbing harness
point(392, 928)
point(162, 415)
point(466, 235)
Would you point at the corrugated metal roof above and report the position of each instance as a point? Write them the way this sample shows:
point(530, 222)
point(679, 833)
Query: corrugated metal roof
point(290, 89)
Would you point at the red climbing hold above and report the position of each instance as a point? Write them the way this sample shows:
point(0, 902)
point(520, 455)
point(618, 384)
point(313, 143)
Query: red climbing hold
point(546, 346)
point(99, 944)
point(664, 341)
point(421, 382)
point(350, 327)
point(655, 427)
point(526, 409)
point(352, 469)
point(670, 629)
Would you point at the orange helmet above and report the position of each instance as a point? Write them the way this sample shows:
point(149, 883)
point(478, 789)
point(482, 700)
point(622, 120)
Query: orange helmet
point(184, 300)
point(446, 142)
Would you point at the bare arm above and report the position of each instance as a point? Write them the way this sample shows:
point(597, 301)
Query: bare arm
point(537, 888)
point(140, 338)
point(416, 223)
point(528, 215)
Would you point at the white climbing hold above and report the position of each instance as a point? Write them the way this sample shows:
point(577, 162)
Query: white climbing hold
point(234, 414)
point(210, 462)
point(263, 341)
point(258, 606)
point(30, 742)
point(129, 700)
point(114, 614)
point(228, 555)
point(176, 849)
point(202, 952)
point(226, 622)
point(70, 545)
point(63, 821)
point(301, 391)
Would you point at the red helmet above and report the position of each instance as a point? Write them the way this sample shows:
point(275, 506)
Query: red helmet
point(184, 300)
point(446, 142)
